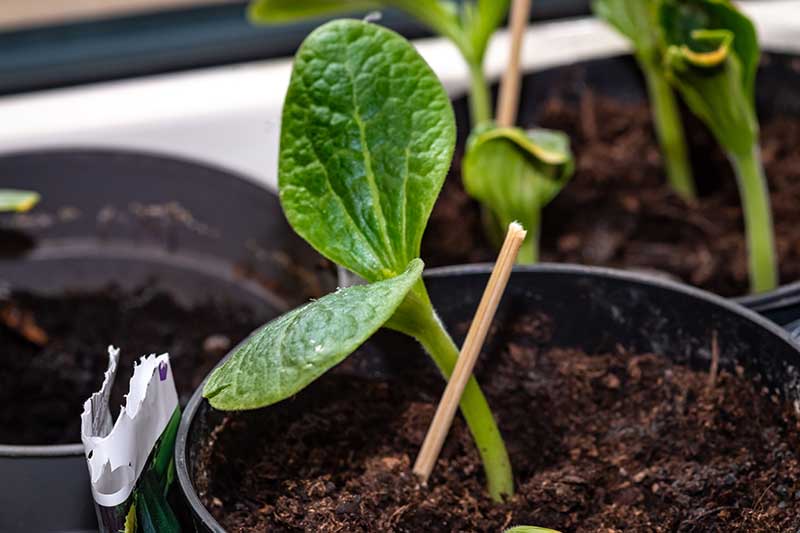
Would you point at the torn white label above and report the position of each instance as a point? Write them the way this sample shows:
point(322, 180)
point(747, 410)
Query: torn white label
point(117, 452)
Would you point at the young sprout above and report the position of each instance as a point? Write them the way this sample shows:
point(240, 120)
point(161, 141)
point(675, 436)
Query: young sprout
point(636, 20)
point(515, 173)
point(367, 137)
point(468, 24)
point(19, 201)
point(711, 58)
point(529, 529)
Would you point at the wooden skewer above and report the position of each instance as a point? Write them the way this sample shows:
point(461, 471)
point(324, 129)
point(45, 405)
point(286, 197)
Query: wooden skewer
point(508, 100)
point(476, 336)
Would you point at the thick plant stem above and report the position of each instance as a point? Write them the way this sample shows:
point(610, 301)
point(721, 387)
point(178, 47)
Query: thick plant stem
point(480, 104)
point(757, 219)
point(529, 253)
point(417, 318)
point(669, 130)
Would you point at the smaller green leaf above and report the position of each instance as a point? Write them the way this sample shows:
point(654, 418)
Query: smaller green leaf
point(19, 201)
point(480, 22)
point(293, 350)
point(516, 173)
point(711, 58)
point(281, 11)
point(529, 529)
point(635, 19)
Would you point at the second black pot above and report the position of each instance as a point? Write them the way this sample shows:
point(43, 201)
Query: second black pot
point(593, 309)
point(197, 233)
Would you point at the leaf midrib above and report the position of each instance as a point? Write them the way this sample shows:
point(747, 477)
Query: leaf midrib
point(377, 208)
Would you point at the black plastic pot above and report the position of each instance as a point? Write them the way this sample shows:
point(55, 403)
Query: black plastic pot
point(594, 309)
point(196, 232)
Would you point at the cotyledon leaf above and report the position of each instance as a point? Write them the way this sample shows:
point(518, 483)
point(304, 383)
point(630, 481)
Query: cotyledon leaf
point(366, 141)
point(515, 173)
point(635, 20)
point(15, 200)
point(712, 56)
point(293, 350)
point(529, 529)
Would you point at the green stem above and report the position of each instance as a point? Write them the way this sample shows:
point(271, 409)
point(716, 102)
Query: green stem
point(480, 102)
point(529, 252)
point(757, 219)
point(417, 318)
point(669, 130)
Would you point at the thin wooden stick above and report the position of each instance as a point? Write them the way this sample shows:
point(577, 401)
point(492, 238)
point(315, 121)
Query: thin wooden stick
point(508, 100)
point(476, 336)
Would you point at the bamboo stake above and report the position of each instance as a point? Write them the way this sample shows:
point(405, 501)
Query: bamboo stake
point(508, 100)
point(476, 336)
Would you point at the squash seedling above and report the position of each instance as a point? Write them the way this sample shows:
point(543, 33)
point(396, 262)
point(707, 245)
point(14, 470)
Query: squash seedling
point(515, 173)
point(367, 137)
point(711, 57)
point(512, 172)
point(529, 529)
point(16, 200)
point(468, 24)
point(636, 20)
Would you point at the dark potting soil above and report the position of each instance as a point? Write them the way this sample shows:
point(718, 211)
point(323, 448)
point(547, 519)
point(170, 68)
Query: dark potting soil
point(55, 353)
point(618, 211)
point(610, 442)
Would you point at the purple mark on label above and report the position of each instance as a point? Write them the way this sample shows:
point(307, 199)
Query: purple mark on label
point(162, 370)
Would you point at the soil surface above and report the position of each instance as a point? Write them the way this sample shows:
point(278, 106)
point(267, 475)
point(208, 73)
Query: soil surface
point(618, 211)
point(610, 442)
point(55, 352)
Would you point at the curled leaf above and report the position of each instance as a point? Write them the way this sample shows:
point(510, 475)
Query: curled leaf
point(515, 173)
point(293, 350)
point(712, 56)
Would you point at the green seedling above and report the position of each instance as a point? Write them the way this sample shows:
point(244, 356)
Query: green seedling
point(529, 529)
point(468, 24)
point(367, 137)
point(711, 57)
point(636, 20)
point(19, 201)
point(515, 173)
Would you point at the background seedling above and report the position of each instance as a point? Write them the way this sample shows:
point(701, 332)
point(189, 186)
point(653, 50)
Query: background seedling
point(367, 137)
point(514, 173)
point(468, 24)
point(636, 20)
point(711, 58)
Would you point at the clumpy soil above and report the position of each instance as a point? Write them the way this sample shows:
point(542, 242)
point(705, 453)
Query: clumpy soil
point(610, 442)
point(618, 211)
point(55, 352)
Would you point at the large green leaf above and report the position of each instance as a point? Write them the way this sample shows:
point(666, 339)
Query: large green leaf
point(516, 173)
point(366, 141)
point(635, 19)
point(14, 200)
point(712, 57)
point(293, 350)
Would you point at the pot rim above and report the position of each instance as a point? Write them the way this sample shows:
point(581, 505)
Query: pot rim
point(187, 417)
